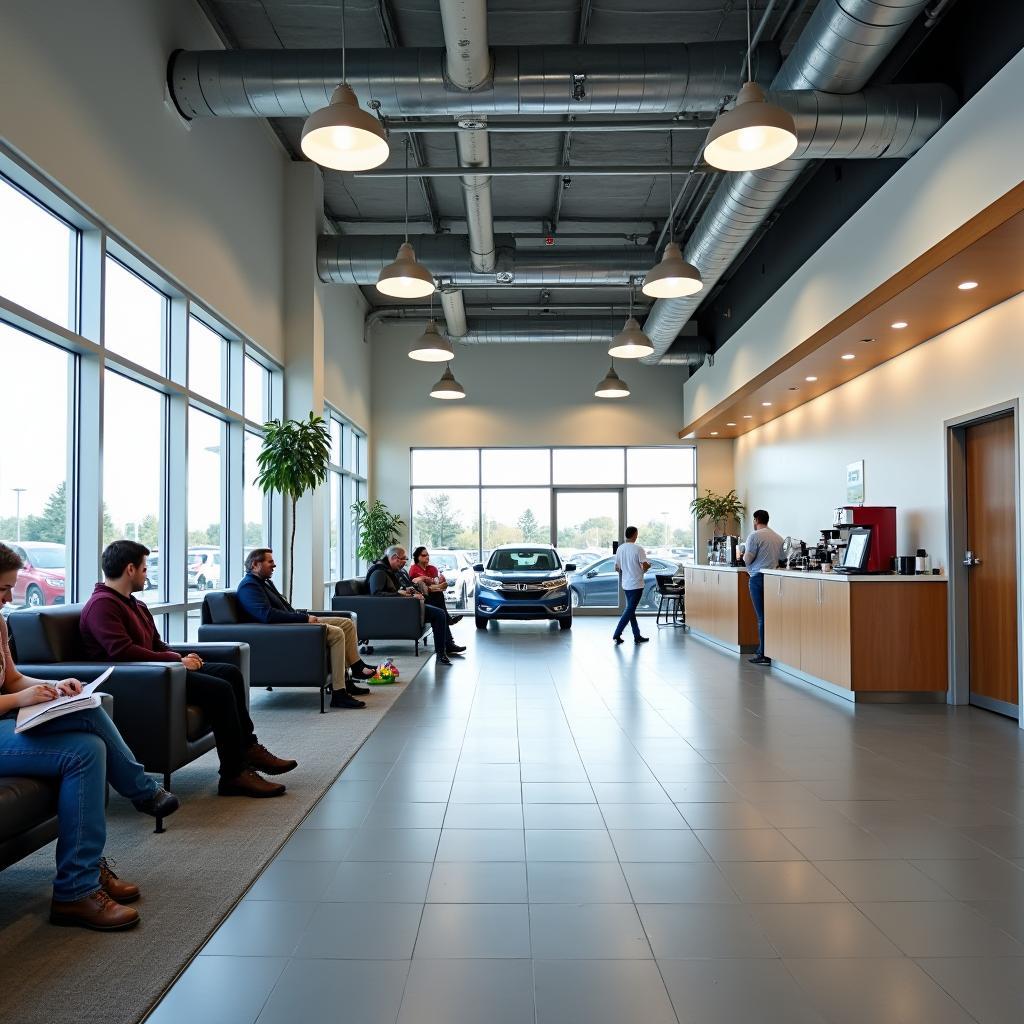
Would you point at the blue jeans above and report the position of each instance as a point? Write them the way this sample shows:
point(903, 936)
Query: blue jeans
point(629, 615)
point(84, 751)
point(757, 597)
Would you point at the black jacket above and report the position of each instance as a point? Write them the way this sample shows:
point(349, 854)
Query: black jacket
point(263, 602)
point(382, 580)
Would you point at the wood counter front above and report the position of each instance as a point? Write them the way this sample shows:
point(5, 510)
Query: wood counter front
point(718, 606)
point(858, 634)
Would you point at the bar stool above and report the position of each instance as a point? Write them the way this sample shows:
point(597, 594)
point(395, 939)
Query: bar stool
point(671, 600)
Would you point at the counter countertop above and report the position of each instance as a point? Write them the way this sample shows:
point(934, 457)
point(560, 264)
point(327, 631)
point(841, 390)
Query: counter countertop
point(843, 577)
point(719, 568)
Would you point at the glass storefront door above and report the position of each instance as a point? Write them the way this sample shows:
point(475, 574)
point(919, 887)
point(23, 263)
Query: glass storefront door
point(585, 522)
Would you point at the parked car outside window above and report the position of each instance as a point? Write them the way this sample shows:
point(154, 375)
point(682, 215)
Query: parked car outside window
point(42, 579)
point(456, 568)
point(523, 581)
point(598, 584)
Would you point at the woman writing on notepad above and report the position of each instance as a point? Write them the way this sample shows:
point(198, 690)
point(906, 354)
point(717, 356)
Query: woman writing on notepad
point(83, 751)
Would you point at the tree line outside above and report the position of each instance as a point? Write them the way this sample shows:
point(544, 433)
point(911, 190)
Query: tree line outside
point(50, 526)
point(438, 525)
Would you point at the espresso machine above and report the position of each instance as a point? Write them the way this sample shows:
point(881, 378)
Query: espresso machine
point(882, 521)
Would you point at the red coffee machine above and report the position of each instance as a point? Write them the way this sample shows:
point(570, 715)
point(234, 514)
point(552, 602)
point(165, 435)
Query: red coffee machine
point(882, 520)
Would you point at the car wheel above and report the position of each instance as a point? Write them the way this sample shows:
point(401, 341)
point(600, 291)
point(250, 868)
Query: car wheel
point(34, 598)
point(481, 623)
point(574, 597)
point(564, 624)
point(647, 601)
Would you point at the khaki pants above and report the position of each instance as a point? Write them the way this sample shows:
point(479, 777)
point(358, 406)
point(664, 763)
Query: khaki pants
point(341, 641)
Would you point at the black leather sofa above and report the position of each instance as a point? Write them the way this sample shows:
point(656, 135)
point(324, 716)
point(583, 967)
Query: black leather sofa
point(380, 618)
point(164, 732)
point(283, 654)
point(28, 812)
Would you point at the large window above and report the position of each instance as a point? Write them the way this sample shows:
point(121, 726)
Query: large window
point(346, 484)
point(474, 499)
point(38, 257)
point(135, 317)
point(33, 476)
point(109, 434)
point(134, 457)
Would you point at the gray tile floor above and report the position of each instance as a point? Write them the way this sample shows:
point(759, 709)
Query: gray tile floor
point(555, 830)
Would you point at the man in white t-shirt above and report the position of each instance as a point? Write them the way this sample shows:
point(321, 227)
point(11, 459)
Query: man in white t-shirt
point(631, 564)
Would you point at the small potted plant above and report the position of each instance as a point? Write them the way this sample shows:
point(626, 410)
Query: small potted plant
point(721, 509)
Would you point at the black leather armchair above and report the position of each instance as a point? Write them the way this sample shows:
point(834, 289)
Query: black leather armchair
point(163, 730)
point(380, 618)
point(283, 654)
point(28, 812)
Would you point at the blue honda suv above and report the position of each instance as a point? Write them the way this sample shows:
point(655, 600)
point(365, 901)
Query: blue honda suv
point(523, 581)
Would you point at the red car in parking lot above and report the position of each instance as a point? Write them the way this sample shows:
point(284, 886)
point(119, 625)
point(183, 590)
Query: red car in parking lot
point(41, 580)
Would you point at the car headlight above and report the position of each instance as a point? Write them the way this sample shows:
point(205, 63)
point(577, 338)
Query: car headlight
point(54, 581)
point(490, 581)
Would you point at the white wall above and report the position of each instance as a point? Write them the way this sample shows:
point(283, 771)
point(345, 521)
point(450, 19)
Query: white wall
point(533, 394)
point(347, 355)
point(83, 99)
point(892, 418)
point(974, 160)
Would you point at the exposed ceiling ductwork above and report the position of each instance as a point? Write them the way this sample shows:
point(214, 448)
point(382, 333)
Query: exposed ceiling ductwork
point(357, 259)
point(651, 79)
point(842, 46)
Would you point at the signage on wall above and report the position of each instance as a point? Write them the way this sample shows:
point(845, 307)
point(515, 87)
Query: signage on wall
point(855, 483)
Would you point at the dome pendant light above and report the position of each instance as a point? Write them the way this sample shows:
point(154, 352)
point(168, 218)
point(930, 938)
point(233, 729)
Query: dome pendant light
point(431, 346)
point(754, 134)
point(341, 135)
point(406, 278)
point(613, 386)
point(674, 276)
point(631, 342)
point(447, 387)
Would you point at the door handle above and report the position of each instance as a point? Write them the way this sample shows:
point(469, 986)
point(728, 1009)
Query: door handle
point(969, 560)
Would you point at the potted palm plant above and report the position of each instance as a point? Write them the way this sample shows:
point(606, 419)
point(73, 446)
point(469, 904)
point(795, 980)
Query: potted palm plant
point(293, 461)
point(721, 509)
point(378, 528)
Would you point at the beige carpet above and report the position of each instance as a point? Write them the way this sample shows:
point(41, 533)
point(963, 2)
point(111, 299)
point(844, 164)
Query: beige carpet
point(190, 876)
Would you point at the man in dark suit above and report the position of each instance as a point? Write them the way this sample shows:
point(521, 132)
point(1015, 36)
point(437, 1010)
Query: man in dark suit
point(263, 602)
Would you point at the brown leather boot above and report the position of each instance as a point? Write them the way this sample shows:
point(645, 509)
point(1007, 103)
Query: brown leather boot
point(98, 912)
point(264, 761)
point(248, 783)
point(123, 892)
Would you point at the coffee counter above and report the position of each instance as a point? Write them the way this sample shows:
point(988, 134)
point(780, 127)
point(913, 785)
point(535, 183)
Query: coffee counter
point(858, 635)
point(718, 605)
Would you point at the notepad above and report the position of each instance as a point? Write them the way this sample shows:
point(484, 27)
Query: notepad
point(37, 714)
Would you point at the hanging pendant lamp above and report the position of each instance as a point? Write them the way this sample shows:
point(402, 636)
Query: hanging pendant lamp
point(754, 134)
point(674, 276)
point(406, 278)
point(341, 135)
point(431, 346)
point(447, 387)
point(631, 342)
point(613, 386)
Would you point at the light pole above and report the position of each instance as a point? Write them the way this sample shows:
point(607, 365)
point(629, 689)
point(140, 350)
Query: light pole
point(18, 492)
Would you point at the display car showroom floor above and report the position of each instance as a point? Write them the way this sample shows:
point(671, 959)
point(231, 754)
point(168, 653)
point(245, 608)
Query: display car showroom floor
point(556, 830)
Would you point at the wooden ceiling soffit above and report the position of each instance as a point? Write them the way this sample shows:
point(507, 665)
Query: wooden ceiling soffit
point(924, 295)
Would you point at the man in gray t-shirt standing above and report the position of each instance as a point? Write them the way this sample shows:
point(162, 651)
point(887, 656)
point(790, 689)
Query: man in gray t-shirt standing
point(762, 551)
point(631, 564)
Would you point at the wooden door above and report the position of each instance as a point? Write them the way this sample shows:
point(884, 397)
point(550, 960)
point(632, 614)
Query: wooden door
point(810, 626)
point(992, 580)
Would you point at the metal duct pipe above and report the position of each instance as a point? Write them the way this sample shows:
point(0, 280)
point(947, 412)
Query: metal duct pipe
point(468, 67)
point(520, 330)
point(841, 47)
point(662, 78)
point(454, 312)
point(357, 259)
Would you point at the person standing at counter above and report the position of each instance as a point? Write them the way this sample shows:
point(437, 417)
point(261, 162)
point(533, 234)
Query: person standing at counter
point(762, 551)
point(631, 564)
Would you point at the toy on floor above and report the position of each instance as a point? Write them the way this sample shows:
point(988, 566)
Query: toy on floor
point(387, 672)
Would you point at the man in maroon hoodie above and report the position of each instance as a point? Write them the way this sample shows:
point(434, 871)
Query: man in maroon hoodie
point(116, 627)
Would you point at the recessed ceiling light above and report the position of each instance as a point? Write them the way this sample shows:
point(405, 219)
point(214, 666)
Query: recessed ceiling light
point(730, 424)
point(714, 433)
point(966, 286)
point(810, 380)
point(766, 404)
point(748, 417)
point(848, 355)
point(899, 325)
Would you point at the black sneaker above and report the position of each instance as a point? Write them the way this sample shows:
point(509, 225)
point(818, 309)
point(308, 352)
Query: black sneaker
point(159, 805)
point(618, 639)
point(443, 659)
point(454, 649)
point(351, 687)
point(340, 699)
point(641, 639)
point(759, 659)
